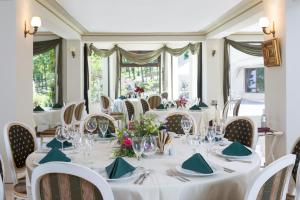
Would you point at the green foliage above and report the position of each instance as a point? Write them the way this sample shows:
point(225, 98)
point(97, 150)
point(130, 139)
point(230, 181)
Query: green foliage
point(147, 125)
point(96, 78)
point(44, 78)
point(123, 152)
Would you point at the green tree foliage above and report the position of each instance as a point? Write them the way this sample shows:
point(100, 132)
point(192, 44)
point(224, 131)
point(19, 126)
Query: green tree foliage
point(96, 78)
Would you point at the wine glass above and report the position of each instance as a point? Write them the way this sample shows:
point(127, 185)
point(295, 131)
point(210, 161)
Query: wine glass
point(61, 136)
point(91, 126)
point(103, 126)
point(210, 136)
point(186, 125)
point(149, 145)
point(138, 146)
point(194, 141)
point(219, 129)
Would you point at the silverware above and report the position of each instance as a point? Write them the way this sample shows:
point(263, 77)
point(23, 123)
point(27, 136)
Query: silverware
point(237, 160)
point(175, 175)
point(228, 170)
point(146, 174)
point(139, 178)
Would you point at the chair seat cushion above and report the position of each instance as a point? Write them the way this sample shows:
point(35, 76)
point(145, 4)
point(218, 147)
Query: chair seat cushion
point(20, 189)
point(47, 133)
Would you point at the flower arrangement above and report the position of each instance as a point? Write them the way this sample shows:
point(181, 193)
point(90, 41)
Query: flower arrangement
point(146, 126)
point(139, 90)
point(181, 102)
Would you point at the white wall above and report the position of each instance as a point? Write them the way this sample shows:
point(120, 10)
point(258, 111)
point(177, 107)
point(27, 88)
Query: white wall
point(16, 66)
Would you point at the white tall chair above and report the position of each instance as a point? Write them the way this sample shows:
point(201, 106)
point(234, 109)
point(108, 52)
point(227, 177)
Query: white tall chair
point(2, 189)
point(67, 114)
point(175, 117)
point(89, 180)
point(78, 112)
point(283, 165)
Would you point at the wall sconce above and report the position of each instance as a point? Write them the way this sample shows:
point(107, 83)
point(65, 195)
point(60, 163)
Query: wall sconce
point(35, 23)
point(72, 50)
point(213, 52)
point(264, 23)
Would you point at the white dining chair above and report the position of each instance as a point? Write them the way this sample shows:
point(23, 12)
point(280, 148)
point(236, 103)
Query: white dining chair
point(78, 112)
point(67, 114)
point(62, 175)
point(174, 122)
point(276, 177)
point(2, 189)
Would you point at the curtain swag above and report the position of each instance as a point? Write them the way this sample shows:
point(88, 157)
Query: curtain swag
point(250, 48)
point(144, 58)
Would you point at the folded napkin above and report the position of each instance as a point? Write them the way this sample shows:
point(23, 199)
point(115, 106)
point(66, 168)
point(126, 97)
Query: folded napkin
point(161, 106)
point(163, 140)
point(203, 105)
point(195, 107)
point(236, 149)
point(118, 168)
point(198, 164)
point(38, 108)
point(57, 144)
point(57, 106)
point(107, 134)
point(122, 97)
point(55, 155)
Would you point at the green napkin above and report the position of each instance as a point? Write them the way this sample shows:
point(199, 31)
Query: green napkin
point(118, 168)
point(203, 105)
point(57, 106)
point(161, 106)
point(197, 163)
point(107, 134)
point(57, 144)
point(195, 107)
point(55, 155)
point(122, 97)
point(236, 149)
point(38, 108)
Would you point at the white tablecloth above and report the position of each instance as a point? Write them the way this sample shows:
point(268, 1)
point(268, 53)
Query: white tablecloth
point(159, 186)
point(201, 117)
point(47, 119)
point(119, 106)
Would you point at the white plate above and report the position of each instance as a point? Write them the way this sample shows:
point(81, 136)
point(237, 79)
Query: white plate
point(216, 169)
point(126, 177)
point(220, 153)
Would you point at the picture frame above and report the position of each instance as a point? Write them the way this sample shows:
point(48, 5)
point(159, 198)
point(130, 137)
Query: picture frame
point(271, 53)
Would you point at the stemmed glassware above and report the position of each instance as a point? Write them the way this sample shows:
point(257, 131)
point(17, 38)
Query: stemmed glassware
point(194, 142)
point(186, 125)
point(138, 146)
point(150, 145)
point(211, 134)
point(103, 126)
point(91, 127)
point(61, 136)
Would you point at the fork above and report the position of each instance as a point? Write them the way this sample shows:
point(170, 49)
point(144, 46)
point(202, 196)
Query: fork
point(237, 160)
point(175, 175)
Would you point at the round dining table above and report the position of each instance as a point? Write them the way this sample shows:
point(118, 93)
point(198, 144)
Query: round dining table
point(229, 183)
point(47, 119)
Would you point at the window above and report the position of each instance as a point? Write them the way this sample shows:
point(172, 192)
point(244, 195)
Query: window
point(147, 76)
point(44, 79)
point(254, 80)
point(184, 75)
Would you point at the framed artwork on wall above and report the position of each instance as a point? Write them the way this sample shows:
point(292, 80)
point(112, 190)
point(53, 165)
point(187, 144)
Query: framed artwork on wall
point(271, 53)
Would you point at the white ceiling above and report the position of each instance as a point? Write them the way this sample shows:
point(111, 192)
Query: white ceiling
point(147, 16)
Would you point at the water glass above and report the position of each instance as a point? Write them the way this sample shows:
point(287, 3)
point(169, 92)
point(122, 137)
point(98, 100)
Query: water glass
point(150, 145)
point(194, 142)
point(138, 146)
point(186, 125)
point(103, 126)
point(91, 126)
point(210, 137)
point(61, 136)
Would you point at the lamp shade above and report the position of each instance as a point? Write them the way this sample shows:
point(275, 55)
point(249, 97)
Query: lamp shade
point(264, 22)
point(36, 21)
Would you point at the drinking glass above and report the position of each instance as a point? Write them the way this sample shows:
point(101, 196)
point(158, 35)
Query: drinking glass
point(219, 129)
point(210, 136)
point(91, 126)
point(194, 142)
point(138, 146)
point(186, 125)
point(149, 145)
point(61, 136)
point(103, 126)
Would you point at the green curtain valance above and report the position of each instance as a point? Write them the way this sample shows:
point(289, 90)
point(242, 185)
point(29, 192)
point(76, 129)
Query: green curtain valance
point(144, 58)
point(250, 48)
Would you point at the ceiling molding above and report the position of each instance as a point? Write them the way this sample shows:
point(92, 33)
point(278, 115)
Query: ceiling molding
point(63, 15)
point(237, 11)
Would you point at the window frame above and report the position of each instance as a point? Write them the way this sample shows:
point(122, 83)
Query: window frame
point(246, 80)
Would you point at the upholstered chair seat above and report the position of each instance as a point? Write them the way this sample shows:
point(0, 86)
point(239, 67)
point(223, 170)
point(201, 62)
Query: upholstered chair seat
point(130, 109)
point(100, 116)
point(173, 122)
point(154, 101)
point(145, 105)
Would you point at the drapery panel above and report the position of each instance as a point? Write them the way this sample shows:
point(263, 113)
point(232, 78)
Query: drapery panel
point(44, 46)
point(141, 58)
point(250, 48)
point(86, 76)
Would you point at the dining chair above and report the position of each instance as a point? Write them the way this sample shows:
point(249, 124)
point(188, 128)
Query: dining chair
point(173, 122)
point(236, 107)
point(154, 101)
point(105, 103)
point(225, 111)
point(67, 114)
point(2, 189)
point(130, 109)
point(67, 181)
point(272, 182)
point(164, 95)
point(78, 112)
point(145, 105)
point(241, 129)
point(112, 126)
point(20, 141)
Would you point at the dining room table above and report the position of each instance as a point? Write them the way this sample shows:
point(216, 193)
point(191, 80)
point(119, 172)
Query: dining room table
point(230, 179)
point(201, 117)
point(120, 106)
point(49, 118)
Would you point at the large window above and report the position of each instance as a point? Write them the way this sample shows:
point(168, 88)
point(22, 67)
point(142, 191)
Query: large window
point(147, 76)
point(44, 79)
point(254, 80)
